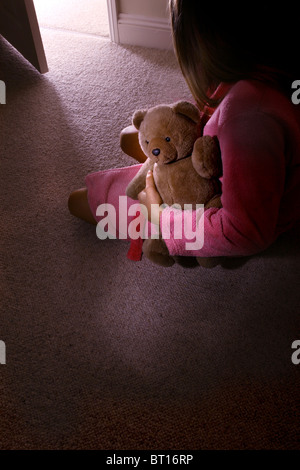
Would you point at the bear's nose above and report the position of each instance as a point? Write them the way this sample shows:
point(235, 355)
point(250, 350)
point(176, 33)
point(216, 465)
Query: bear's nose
point(156, 152)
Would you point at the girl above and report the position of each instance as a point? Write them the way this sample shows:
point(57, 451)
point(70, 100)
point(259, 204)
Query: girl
point(240, 74)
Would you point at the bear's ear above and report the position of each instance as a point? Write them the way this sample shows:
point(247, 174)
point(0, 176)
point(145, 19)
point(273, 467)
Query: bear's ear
point(188, 110)
point(138, 118)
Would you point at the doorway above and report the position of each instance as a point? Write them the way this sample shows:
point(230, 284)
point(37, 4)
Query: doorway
point(81, 16)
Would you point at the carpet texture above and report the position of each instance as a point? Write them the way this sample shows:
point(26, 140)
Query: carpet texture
point(80, 16)
point(104, 353)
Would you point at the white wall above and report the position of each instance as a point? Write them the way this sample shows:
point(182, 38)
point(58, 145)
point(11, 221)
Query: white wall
point(143, 23)
point(153, 8)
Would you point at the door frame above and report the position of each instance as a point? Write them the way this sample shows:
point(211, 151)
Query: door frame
point(19, 26)
point(138, 30)
point(112, 11)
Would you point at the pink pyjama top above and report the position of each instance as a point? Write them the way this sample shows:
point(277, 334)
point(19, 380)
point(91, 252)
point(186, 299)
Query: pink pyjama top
point(259, 134)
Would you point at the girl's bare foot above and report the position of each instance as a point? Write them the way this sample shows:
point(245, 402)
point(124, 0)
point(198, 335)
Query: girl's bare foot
point(79, 206)
point(130, 145)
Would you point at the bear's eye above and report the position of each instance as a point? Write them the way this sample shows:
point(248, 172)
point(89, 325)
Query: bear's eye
point(147, 142)
point(168, 139)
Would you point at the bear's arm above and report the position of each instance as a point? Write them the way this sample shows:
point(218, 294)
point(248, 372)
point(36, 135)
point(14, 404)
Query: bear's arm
point(138, 183)
point(206, 157)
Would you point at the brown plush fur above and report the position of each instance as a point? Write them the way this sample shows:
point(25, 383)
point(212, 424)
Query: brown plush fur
point(185, 167)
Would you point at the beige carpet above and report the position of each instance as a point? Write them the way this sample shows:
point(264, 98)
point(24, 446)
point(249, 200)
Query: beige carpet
point(104, 353)
point(81, 16)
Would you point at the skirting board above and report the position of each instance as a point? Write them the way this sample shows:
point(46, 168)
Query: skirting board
point(144, 31)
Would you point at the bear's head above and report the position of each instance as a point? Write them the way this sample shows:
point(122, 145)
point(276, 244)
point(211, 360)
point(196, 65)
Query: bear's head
point(167, 132)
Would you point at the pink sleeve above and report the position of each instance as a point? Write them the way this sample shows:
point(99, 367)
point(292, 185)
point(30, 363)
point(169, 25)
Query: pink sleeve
point(252, 149)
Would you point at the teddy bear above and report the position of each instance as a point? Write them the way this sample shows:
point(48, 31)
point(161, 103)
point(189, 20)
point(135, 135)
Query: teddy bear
point(186, 168)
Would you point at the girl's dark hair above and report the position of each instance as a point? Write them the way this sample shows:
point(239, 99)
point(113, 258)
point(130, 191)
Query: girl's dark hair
point(224, 44)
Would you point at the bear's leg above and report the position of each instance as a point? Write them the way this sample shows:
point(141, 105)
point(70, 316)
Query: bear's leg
point(186, 261)
point(208, 262)
point(129, 143)
point(157, 252)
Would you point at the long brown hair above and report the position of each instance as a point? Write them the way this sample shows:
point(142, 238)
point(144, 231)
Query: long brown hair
point(224, 44)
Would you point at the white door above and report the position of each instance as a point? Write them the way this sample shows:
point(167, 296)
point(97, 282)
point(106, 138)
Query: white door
point(19, 26)
point(113, 20)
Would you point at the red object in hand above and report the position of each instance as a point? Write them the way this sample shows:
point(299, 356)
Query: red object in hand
point(135, 250)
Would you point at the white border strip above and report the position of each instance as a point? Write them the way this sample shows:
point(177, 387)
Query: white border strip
point(144, 31)
point(113, 20)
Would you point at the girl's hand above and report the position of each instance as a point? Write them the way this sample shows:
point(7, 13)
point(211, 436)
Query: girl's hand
point(150, 199)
